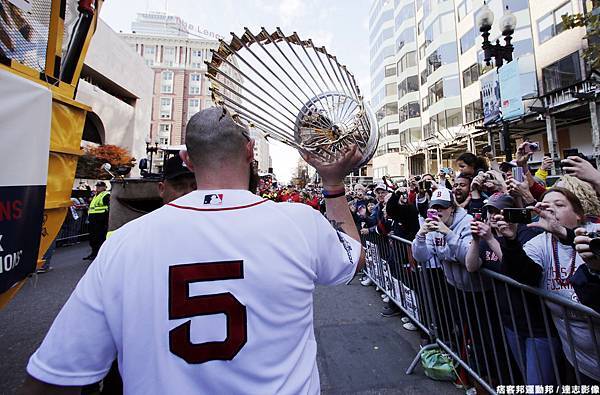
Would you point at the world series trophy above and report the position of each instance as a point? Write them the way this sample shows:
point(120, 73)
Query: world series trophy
point(294, 92)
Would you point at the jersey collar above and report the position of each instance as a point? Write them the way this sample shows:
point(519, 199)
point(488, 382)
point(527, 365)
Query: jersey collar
point(217, 200)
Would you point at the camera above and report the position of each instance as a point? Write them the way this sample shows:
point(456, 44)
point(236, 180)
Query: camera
point(532, 147)
point(425, 185)
point(486, 149)
point(595, 242)
point(517, 215)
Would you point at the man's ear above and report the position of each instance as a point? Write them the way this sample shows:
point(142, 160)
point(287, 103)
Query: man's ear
point(185, 157)
point(161, 189)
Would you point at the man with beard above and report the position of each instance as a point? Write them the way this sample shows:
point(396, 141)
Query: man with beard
point(465, 197)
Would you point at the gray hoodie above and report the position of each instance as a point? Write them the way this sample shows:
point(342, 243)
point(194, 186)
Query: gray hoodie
point(450, 251)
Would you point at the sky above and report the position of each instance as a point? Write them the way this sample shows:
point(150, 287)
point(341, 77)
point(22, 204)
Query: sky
point(340, 25)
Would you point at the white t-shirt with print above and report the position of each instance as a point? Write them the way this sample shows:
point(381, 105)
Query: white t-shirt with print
point(204, 295)
point(540, 250)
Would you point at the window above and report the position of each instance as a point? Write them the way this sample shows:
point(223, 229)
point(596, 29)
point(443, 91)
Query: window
point(464, 8)
point(196, 65)
point(390, 70)
point(409, 110)
point(522, 48)
point(164, 129)
point(165, 107)
point(404, 138)
point(407, 36)
point(425, 103)
point(169, 56)
point(551, 24)
point(407, 12)
point(561, 74)
point(393, 147)
point(390, 89)
point(163, 140)
point(193, 107)
point(195, 84)
point(149, 52)
point(166, 85)
point(427, 132)
point(391, 109)
point(445, 119)
point(410, 84)
point(451, 86)
point(467, 41)
point(446, 54)
point(474, 111)
point(408, 60)
point(470, 75)
point(516, 5)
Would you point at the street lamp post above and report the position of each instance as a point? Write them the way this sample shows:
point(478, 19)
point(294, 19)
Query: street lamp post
point(500, 53)
point(151, 150)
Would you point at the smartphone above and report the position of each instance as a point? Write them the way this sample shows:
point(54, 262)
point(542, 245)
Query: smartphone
point(517, 173)
point(477, 214)
point(431, 213)
point(570, 152)
point(517, 215)
point(427, 185)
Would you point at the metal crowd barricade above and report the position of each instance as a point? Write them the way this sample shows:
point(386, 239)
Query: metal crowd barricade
point(75, 228)
point(504, 334)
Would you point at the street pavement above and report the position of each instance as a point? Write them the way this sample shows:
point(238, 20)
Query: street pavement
point(359, 352)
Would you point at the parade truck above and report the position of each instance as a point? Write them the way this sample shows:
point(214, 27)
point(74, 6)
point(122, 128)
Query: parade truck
point(43, 44)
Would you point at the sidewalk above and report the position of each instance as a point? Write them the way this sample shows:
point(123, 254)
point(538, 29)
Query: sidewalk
point(359, 352)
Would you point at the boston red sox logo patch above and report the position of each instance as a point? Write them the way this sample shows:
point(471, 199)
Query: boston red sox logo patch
point(213, 199)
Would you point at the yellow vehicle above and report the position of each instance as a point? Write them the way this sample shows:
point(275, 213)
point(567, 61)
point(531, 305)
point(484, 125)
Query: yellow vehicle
point(43, 44)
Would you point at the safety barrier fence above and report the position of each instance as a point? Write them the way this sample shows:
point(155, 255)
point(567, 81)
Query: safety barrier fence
point(509, 337)
point(75, 227)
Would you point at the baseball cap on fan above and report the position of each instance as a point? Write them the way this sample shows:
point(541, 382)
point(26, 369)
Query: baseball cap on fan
point(174, 167)
point(500, 201)
point(381, 186)
point(441, 197)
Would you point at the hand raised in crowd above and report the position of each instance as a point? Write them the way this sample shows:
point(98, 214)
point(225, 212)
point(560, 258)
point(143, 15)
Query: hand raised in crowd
point(506, 229)
point(436, 225)
point(547, 220)
point(364, 231)
point(333, 173)
point(547, 163)
point(582, 169)
point(582, 246)
point(494, 182)
point(478, 180)
point(519, 190)
point(481, 230)
point(522, 157)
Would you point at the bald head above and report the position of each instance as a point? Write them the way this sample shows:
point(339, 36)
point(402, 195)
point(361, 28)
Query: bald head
point(213, 138)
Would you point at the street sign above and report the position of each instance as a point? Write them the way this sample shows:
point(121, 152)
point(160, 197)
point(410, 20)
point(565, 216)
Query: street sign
point(510, 90)
point(490, 91)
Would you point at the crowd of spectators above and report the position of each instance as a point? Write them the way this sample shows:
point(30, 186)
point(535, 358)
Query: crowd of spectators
point(506, 218)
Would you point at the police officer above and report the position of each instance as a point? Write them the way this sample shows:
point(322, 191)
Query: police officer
point(98, 219)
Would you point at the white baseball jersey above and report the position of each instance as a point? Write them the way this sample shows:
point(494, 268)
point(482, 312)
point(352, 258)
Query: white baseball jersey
point(211, 294)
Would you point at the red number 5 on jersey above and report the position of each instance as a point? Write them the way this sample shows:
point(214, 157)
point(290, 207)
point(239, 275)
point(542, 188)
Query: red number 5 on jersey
point(181, 305)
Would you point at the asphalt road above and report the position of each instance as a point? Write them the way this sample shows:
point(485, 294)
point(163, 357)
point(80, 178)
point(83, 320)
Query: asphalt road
point(360, 352)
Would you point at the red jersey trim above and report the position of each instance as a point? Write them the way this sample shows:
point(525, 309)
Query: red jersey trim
point(217, 209)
